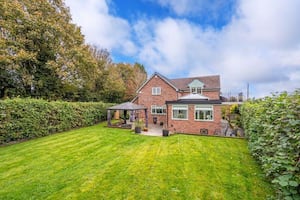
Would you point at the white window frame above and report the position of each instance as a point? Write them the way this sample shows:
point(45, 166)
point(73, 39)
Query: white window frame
point(205, 109)
point(156, 90)
point(156, 108)
point(180, 108)
point(196, 90)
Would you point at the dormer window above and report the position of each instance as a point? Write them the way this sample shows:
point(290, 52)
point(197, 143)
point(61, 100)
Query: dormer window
point(196, 86)
point(195, 90)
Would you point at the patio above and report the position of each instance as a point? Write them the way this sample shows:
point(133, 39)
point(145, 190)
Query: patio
point(153, 130)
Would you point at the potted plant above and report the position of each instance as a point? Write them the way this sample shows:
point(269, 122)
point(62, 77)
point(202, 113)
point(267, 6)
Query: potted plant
point(138, 126)
point(165, 131)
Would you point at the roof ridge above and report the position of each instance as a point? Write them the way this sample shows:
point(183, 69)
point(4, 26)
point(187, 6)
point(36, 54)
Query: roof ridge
point(195, 77)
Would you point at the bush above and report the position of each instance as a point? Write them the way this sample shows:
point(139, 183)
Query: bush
point(31, 118)
point(272, 126)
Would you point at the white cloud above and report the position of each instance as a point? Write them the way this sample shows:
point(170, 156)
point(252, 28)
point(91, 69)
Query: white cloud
point(196, 7)
point(259, 45)
point(101, 28)
point(172, 45)
point(182, 7)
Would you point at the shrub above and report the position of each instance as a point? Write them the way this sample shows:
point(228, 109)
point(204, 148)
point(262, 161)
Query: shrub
point(31, 118)
point(272, 126)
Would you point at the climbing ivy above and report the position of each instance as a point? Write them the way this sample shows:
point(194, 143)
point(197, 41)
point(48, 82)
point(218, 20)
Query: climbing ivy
point(272, 126)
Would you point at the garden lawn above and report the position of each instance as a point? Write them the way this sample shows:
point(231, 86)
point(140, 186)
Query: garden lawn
point(104, 163)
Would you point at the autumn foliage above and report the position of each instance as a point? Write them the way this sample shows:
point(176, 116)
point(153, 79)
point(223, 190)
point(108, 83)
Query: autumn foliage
point(44, 55)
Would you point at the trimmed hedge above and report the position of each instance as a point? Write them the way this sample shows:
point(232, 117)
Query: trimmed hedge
point(31, 118)
point(272, 126)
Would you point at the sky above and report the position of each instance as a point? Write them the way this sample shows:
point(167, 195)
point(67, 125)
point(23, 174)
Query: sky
point(243, 41)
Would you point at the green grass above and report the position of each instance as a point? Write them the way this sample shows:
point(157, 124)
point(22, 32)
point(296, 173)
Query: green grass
point(104, 163)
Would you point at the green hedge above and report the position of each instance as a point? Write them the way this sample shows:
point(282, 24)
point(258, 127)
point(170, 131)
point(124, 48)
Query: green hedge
point(272, 126)
point(31, 118)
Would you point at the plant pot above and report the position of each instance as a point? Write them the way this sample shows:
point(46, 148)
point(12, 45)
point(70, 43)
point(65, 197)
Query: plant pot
point(165, 132)
point(138, 129)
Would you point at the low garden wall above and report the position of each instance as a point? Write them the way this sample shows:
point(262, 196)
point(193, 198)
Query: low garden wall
point(272, 126)
point(22, 119)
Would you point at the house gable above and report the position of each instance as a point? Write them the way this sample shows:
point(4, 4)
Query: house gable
point(156, 91)
point(156, 102)
point(155, 75)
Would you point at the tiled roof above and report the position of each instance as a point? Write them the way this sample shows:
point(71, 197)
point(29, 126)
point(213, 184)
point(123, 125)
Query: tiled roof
point(210, 82)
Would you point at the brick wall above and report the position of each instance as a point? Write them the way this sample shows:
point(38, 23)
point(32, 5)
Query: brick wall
point(146, 98)
point(212, 94)
point(192, 126)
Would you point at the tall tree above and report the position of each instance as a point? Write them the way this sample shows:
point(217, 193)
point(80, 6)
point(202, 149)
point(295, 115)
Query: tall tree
point(132, 76)
point(43, 52)
point(114, 87)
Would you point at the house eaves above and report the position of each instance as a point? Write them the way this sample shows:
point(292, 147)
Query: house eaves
point(162, 77)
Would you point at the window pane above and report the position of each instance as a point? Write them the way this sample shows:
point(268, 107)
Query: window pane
point(208, 115)
point(201, 114)
point(180, 111)
point(158, 109)
point(199, 90)
point(183, 114)
point(175, 113)
point(180, 114)
point(204, 112)
point(158, 90)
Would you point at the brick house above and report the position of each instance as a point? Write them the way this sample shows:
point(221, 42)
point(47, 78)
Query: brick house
point(185, 105)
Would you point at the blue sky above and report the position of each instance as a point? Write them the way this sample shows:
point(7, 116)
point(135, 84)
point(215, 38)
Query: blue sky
point(255, 42)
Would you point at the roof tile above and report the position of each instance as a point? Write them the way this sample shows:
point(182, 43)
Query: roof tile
point(210, 82)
